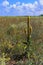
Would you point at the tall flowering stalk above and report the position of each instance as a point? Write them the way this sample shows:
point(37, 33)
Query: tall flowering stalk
point(29, 30)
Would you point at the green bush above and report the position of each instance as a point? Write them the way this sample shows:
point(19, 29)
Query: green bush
point(19, 49)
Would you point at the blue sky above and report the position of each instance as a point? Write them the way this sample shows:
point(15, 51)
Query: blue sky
point(21, 7)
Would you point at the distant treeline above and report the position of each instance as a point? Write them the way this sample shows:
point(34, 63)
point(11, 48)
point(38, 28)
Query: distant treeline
point(41, 15)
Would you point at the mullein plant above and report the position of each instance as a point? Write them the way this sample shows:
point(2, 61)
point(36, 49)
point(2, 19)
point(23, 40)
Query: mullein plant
point(29, 31)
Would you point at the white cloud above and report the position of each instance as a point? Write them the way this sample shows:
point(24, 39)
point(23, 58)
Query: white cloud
point(38, 12)
point(30, 4)
point(13, 6)
point(5, 3)
point(20, 6)
point(41, 2)
point(27, 6)
point(24, 8)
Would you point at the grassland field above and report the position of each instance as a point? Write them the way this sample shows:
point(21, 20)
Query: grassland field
point(21, 24)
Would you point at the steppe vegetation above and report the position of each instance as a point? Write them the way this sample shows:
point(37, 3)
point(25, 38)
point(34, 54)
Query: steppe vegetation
point(14, 46)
